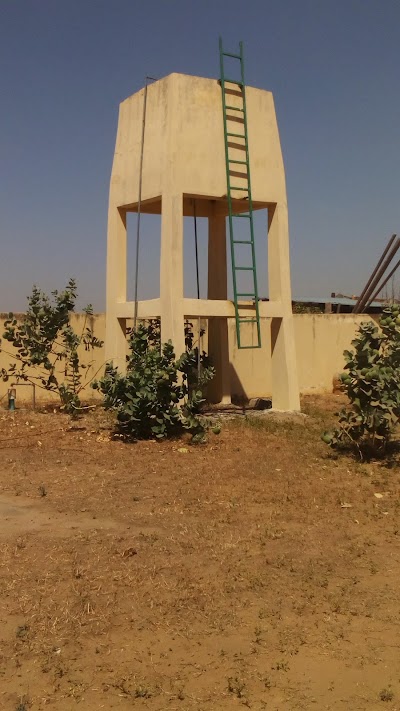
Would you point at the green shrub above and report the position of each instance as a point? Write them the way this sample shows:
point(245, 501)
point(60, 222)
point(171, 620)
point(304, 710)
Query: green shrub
point(372, 383)
point(44, 340)
point(158, 396)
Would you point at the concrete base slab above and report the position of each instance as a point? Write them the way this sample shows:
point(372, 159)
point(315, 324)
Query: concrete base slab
point(279, 415)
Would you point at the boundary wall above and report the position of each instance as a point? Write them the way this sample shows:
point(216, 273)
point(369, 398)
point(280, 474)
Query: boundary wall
point(320, 341)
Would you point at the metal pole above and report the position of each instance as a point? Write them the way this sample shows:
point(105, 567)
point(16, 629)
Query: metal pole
point(140, 202)
point(198, 289)
point(379, 275)
point(364, 291)
point(196, 249)
point(378, 291)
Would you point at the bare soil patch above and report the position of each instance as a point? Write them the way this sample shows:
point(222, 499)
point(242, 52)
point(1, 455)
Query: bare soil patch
point(258, 570)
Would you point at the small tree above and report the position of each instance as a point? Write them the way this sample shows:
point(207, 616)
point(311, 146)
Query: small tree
point(158, 396)
point(372, 383)
point(45, 344)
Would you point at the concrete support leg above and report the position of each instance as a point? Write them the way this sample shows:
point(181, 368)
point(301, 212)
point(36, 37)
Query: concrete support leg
point(115, 343)
point(171, 272)
point(285, 389)
point(219, 390)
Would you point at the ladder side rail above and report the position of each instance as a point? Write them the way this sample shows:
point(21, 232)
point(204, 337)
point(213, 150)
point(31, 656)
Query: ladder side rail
point(228, 184)
point(238, 318)
point(253, 252)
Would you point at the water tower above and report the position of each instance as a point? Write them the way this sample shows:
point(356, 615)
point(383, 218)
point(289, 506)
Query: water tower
point(212, 149)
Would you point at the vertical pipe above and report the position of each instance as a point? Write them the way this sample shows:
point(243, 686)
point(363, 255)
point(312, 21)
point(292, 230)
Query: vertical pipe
point(12, 393)
point(196, 249)
point(198, 289)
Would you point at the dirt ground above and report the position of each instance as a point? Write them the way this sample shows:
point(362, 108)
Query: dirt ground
point(259, 570)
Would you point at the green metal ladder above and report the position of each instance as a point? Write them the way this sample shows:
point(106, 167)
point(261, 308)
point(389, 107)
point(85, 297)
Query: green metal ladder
point(234, 112)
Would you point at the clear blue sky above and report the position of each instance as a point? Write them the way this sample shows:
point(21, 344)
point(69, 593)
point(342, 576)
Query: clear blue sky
point(333, 66)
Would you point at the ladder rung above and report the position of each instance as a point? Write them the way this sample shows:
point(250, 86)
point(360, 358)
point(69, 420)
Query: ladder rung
point(234, 108)
point(244, 269)
point(237, 135)
point(240, 162)
point(241, 214)
point(241, 241)
point(234, 187)
point(232, 81)
point(252, 294)
point(229, 54)
point(243, 348)
point(247, 320)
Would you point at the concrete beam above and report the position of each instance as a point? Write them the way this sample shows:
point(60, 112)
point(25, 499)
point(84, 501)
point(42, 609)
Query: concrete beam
point(195, 308)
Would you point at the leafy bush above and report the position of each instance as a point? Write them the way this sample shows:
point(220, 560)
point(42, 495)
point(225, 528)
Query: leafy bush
point(372, 383)
point(44, 340)
point(158, 396)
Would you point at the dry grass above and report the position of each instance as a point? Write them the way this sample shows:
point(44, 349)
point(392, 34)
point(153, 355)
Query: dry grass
point(225, 576)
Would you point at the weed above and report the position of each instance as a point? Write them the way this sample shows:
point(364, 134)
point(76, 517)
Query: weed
point(22, 631)
point(23, 705)
point(236, 686)
point(257, 635)
point(142, 692)
point(281, 666)
point(272, 533)
point(386, 695)
point(42, 490)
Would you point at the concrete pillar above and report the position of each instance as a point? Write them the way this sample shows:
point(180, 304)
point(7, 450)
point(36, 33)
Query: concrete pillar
point(116, 346)
point(285, 391)
point(219, 390)
point(171, 272)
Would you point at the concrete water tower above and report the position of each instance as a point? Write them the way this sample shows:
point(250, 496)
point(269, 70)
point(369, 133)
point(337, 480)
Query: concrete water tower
point(184, 169)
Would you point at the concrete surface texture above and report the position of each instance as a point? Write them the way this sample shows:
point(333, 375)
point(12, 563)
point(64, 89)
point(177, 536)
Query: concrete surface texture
point(184, 171)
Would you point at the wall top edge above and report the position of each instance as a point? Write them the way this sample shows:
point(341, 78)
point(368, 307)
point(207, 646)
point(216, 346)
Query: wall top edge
point(181, 75)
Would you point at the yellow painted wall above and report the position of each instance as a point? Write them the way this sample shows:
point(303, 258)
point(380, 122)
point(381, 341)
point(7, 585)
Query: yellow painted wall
point(24, 392)
point(320, 342)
